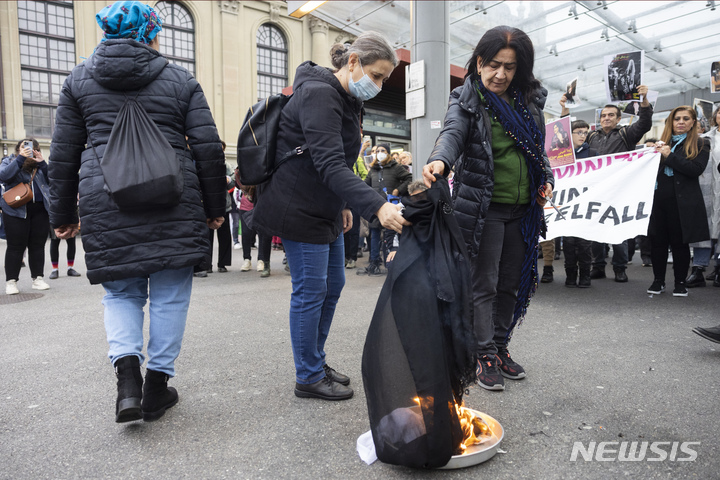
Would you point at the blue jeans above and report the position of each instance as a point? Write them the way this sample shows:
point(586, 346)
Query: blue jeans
point(318, 277)
point(169, 301)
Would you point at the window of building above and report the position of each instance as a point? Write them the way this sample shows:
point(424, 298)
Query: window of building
point(47, 55)
point(177, 41)
point(272, 59)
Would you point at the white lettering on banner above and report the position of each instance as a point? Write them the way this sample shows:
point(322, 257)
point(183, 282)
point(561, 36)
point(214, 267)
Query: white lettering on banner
point(606, 199)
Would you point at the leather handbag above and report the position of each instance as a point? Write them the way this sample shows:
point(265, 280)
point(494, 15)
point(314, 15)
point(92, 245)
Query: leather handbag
point(20, 194)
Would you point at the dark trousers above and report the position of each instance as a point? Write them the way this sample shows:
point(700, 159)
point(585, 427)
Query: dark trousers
point(31, 233)
point(224, 243)
point(665, 230)
point(248, 238)
point(352, 238)
point(577, 252)
point(496, 274)
point(55, 250)
point(619, 259)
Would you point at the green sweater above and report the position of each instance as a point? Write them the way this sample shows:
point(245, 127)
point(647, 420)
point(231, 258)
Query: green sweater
point(512, 184)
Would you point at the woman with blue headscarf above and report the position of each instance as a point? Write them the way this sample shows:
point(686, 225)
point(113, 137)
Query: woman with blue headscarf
point(137, 255)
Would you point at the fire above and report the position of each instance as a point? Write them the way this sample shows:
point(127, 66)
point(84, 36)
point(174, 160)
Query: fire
point(473, 427)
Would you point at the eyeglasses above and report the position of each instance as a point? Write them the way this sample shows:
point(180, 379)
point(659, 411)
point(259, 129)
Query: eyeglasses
point(581, 134)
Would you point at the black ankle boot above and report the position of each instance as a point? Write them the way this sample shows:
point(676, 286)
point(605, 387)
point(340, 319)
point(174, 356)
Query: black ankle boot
point(157, 396)
point(713, 274)
point(584, 281)
point(571, 277)
point(129, 386)
point(547, 275)
point(696, 278)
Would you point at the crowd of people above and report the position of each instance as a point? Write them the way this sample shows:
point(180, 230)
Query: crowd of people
point(340, 197)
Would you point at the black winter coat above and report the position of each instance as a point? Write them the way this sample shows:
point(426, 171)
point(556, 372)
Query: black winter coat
point(392, 176)
point(686, 173)
point(130, 244)
point(465, 142)
point(304, 198)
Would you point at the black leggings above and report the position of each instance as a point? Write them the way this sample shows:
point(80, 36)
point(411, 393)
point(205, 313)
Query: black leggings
point(665, 230)
point(248, 238)
point(55, 250)
point(26, 233)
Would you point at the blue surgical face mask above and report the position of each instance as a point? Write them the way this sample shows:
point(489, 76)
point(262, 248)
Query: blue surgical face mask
point(364, 89)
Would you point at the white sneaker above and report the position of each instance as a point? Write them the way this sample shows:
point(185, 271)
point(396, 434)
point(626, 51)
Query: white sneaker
point(11, 287)
point(237, 246)
point(246, 266)
point(39, 284)
point(260, 266)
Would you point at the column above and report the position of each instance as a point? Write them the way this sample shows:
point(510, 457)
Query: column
point(320, 47)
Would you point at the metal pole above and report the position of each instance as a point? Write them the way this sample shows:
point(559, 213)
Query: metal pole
point(430, 27)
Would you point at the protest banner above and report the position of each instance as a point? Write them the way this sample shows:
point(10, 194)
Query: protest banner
point(606, 198)
point(558, 144)
point(624, 75)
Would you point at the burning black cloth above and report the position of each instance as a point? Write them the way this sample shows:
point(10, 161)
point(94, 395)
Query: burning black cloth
point(419, 354)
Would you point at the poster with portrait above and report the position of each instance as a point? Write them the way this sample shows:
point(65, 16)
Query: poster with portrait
point(703, 109)
point(558, 142)
point(571, 94)
point(624, 74)
point(633, 107)
point(715, 77)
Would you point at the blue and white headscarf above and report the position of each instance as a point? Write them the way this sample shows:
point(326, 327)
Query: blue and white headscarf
point(132, 20)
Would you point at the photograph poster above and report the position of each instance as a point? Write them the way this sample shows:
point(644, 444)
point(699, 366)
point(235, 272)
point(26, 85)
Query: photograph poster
point(624, 75)
point(715, 77)
point(571, 94)
point(558, 142)
point(633, 107)
point(703, 109)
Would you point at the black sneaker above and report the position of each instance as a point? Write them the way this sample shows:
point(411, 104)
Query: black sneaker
point(325, 389)
point(597, 273)
point(680, 290)
point(375, 270)
point(488, 373)
point(336, 376)
point(508, 367)
point(657, 287)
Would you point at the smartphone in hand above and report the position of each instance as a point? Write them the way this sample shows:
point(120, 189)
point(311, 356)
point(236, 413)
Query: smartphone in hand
point(29, 145)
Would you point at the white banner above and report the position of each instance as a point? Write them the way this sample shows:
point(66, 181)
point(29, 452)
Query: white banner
point(606, 199)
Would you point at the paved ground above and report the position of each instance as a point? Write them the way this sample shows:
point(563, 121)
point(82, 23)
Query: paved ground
point(605, 364)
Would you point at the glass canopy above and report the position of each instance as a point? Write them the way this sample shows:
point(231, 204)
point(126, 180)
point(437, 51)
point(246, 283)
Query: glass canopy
point(681, 39)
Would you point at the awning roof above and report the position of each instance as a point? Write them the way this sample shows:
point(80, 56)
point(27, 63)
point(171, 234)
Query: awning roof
point(680, 39)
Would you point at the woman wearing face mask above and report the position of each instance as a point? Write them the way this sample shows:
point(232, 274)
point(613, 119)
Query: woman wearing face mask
point(678, 215)
point(305, 201)
point(494, 138)
point(387, 177)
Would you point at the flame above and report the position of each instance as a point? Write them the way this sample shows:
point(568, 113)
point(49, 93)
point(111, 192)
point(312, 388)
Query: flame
point(473, 427)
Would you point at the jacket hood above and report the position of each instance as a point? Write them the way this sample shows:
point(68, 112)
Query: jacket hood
point(125, 64)
point(309, 71)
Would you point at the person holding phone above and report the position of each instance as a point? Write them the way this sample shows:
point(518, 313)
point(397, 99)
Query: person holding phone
point(26, 226)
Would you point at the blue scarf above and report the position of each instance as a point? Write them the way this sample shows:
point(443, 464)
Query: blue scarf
point(676, 140)
point(133, 20)
point(520, 125)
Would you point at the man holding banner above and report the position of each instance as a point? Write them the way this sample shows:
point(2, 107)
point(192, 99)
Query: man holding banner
point(611, 139)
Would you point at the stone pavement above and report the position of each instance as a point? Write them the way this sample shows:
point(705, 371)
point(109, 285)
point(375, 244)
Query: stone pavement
point(609, 363)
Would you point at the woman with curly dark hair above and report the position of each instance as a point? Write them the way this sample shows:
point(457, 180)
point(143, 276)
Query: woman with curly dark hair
point(494, 138)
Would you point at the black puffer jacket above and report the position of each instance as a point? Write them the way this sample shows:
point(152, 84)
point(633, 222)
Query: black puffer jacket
point(465, 142)
point(122, 244)
point(304, 198)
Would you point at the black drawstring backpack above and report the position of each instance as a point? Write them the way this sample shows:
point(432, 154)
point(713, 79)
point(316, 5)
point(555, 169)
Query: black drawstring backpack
point(140, 168)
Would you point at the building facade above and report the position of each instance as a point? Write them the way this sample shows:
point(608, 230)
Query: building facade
point(240, 51)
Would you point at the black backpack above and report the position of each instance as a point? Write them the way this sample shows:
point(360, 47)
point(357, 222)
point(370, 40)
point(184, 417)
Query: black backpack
point(140, 167)
point(257, 141)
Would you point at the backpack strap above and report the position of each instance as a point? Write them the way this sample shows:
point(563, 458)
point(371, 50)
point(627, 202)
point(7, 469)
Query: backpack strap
point(297, 151)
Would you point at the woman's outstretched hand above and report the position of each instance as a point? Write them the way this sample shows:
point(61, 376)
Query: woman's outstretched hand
point(430, 170)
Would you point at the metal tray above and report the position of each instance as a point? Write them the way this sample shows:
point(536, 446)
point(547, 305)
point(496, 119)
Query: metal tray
point(477, 454)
